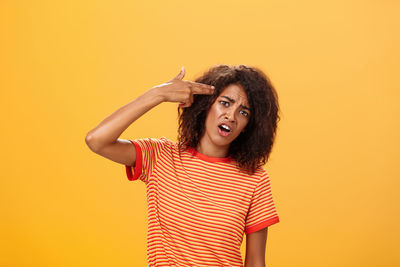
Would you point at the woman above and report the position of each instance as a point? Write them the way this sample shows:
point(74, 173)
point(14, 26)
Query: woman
point(209, 188)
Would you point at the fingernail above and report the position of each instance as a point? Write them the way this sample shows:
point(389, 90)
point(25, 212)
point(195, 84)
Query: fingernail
point(212, 87)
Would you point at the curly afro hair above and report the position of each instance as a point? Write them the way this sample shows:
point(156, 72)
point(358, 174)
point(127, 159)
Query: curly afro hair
point(251, 149)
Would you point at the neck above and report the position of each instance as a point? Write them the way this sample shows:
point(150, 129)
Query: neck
point(211, 151)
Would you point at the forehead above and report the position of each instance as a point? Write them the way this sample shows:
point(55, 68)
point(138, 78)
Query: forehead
point(236, 92)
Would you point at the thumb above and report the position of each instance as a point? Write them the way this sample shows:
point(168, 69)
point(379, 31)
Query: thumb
point(181, 74)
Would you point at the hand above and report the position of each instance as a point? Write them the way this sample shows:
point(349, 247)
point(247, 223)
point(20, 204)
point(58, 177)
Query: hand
point(178, 90)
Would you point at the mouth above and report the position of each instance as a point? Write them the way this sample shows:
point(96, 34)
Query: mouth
point(224, 130)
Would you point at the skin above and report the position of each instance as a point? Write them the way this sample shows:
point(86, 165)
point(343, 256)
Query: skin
point(255, 248)
point(230, 107)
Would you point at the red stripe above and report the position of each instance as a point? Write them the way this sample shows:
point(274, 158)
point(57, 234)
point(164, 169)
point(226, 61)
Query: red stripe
point(261, 225)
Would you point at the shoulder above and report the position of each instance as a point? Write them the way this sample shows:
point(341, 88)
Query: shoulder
point(163, 141)
point(166, 141)
point(261, 176)
point(153, 145)
point(259, 173)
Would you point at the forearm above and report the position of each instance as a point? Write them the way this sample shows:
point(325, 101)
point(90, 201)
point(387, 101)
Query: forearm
point(250, 263)
point(111, 128)
point(254, 265)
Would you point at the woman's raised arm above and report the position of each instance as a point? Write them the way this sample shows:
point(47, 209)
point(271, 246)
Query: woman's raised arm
point(103, 139)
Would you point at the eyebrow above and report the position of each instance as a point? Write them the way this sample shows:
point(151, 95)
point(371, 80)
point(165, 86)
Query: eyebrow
point(233, 101)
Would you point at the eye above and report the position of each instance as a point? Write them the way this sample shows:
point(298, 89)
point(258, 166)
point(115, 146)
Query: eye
point(244, 113)
point(226, 104)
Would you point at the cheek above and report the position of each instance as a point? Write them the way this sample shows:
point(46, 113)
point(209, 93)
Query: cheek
point(214, 113)
point(243, 123)
point(210, 119)
point(218, 110)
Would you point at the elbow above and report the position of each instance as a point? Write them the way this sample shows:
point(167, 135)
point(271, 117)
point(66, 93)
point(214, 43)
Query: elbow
point(90, 142)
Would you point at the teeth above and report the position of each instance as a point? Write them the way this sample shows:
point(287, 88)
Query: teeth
point(225, 127)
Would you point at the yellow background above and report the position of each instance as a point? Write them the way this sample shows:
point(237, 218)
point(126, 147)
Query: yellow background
point(66, 65)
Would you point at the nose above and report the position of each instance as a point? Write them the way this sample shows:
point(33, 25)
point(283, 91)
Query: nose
point(229, 115)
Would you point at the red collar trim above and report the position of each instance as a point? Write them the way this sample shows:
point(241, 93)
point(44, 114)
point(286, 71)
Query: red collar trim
point(207, 158)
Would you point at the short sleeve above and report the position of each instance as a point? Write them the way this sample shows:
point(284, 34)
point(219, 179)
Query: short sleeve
point(148, 151)
point(262, 212)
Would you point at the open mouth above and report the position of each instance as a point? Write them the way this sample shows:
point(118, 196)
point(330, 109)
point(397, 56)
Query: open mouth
point(224, 130)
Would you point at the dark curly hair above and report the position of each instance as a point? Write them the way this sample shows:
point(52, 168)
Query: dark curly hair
point(251, 149)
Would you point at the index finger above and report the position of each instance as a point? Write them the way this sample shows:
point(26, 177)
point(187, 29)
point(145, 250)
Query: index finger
point(201, 88)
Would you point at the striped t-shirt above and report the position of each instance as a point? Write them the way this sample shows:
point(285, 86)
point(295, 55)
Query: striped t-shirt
point(199, 207)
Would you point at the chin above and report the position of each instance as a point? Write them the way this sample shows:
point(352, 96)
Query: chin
point(223, 142)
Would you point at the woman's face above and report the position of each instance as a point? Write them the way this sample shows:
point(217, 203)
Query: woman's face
point(227, 118)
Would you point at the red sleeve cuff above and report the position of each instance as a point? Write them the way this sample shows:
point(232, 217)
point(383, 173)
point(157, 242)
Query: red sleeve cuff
point(137, 170)
point(261, 225)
